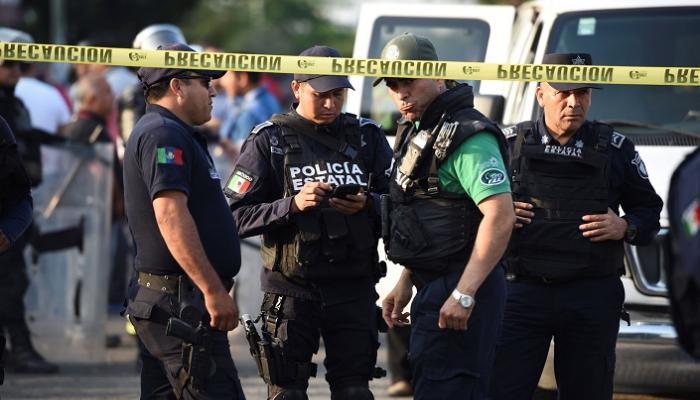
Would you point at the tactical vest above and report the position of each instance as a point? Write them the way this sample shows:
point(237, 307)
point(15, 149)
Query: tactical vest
point(431, 229)
point(563, 183)
point(322, 242)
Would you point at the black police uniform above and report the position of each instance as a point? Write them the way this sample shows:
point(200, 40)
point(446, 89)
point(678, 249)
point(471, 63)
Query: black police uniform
point(14, 276)
point(683, 272)
point(15, 218)
point(320, 266)
point(164, 153)
point(432, 233)
point(562, 284)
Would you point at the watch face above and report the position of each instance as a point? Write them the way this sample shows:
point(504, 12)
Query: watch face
point(466, 301)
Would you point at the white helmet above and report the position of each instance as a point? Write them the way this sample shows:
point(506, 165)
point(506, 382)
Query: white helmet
point(156, 35)
point(13, 35)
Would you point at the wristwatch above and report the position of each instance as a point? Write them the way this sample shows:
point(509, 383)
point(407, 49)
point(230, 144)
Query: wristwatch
point(464, 300)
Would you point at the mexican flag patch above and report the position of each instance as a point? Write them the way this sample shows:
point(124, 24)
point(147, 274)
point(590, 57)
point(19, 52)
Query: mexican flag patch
point(240, 182)
point(169, 155)
point(691, 219)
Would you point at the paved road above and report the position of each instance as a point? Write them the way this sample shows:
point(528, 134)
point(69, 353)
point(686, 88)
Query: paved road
point(117, 378)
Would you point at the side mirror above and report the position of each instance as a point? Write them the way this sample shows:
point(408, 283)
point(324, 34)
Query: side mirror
point(491, 105)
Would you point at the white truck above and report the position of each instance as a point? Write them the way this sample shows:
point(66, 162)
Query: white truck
point(663, 122)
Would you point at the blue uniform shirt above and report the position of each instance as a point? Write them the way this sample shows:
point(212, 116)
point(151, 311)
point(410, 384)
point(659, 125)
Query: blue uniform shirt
point(629, 181)
point(164, 153)
point(262, 207)
point(16, 199)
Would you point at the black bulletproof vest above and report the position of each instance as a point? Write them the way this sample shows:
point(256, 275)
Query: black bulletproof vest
point(431, 229)
point(322, 242)
point(563, 183)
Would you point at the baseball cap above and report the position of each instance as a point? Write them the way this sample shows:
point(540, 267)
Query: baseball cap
point(323, 83)
point(408, 46)
point(13, 35)
point(150, 76)
point(569, 59)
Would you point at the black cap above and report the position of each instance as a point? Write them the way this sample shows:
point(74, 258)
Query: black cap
point(150, 76)
point(323, 83)
point(569, 59)
point(408, 46)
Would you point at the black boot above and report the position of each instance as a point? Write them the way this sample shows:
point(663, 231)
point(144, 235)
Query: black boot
point(23, 358)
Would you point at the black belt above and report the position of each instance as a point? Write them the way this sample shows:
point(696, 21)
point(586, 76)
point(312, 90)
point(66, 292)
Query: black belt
point(422, 277)
point(163, 283)
point(169, 283)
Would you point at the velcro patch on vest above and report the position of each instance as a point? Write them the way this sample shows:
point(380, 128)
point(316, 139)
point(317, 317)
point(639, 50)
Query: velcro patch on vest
point(564, 151)
point(617, 139)
point(240, 182)
point(333, 173)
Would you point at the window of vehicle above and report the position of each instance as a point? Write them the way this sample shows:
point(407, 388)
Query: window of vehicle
point(454, 40)
point(643, 37)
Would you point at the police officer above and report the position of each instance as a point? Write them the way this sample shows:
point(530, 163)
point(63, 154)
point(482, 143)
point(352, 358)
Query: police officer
point(13, 279)
point(15, 212)
point(130, 103)
point(683, 273)
point(185, 236)
point(570, 176)
point(318, 249)
point(449, 225)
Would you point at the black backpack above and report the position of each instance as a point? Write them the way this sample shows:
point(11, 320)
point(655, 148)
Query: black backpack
point(683, 270)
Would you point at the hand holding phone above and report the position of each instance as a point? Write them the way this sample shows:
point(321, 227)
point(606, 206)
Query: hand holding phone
point(342, 191)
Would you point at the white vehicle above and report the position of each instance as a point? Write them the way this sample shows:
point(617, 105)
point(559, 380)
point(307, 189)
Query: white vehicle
point(663, 122)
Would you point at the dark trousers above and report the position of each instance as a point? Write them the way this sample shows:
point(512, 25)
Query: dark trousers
point(13, 284)
point(583, 318)
point(161, 355)
point(451, 364)
point(349, 331)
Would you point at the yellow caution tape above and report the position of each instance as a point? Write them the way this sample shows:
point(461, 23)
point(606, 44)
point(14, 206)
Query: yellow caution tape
point(601, 74)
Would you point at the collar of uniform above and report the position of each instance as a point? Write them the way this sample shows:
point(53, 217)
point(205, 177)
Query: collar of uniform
point(332, 128)
point(155, 108)
point(542, 131)
point(451, 100)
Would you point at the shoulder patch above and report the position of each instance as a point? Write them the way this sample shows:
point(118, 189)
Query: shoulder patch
point(261, 126)
point(239, 183)
point(510, 132)
point(492, 177)
point(368, 121)
point(617, 139)
point(641, 167)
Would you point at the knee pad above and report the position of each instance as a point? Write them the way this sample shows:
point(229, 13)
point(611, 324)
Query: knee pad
point(291, 394)
point(352, 393)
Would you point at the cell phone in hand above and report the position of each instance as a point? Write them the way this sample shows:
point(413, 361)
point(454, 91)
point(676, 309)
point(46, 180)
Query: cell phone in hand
point(342, 191)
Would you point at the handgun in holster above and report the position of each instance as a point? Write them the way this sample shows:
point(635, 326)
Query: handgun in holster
point(192, 327)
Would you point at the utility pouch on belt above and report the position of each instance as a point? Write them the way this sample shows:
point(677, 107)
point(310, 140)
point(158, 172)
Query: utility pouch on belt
point(408, 238)
point(385, 205)
point(193, 329)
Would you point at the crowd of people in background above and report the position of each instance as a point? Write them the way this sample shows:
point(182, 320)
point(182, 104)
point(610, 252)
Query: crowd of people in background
point(101, 104)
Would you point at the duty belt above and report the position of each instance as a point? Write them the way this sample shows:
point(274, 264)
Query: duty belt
point(163, 283)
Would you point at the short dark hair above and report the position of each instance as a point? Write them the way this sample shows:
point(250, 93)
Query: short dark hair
point(157, 91)
point(253, 77)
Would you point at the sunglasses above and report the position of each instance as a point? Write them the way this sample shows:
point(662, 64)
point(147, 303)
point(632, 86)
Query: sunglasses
point(203, 80)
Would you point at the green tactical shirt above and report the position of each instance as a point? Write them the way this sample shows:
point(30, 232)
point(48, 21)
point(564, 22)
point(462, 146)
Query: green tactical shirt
point(475, 168)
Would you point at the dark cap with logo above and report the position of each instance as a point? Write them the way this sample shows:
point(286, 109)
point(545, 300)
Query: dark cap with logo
point(150, 76)
point(569, 59)
point(408, 46)
point(323, 83)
